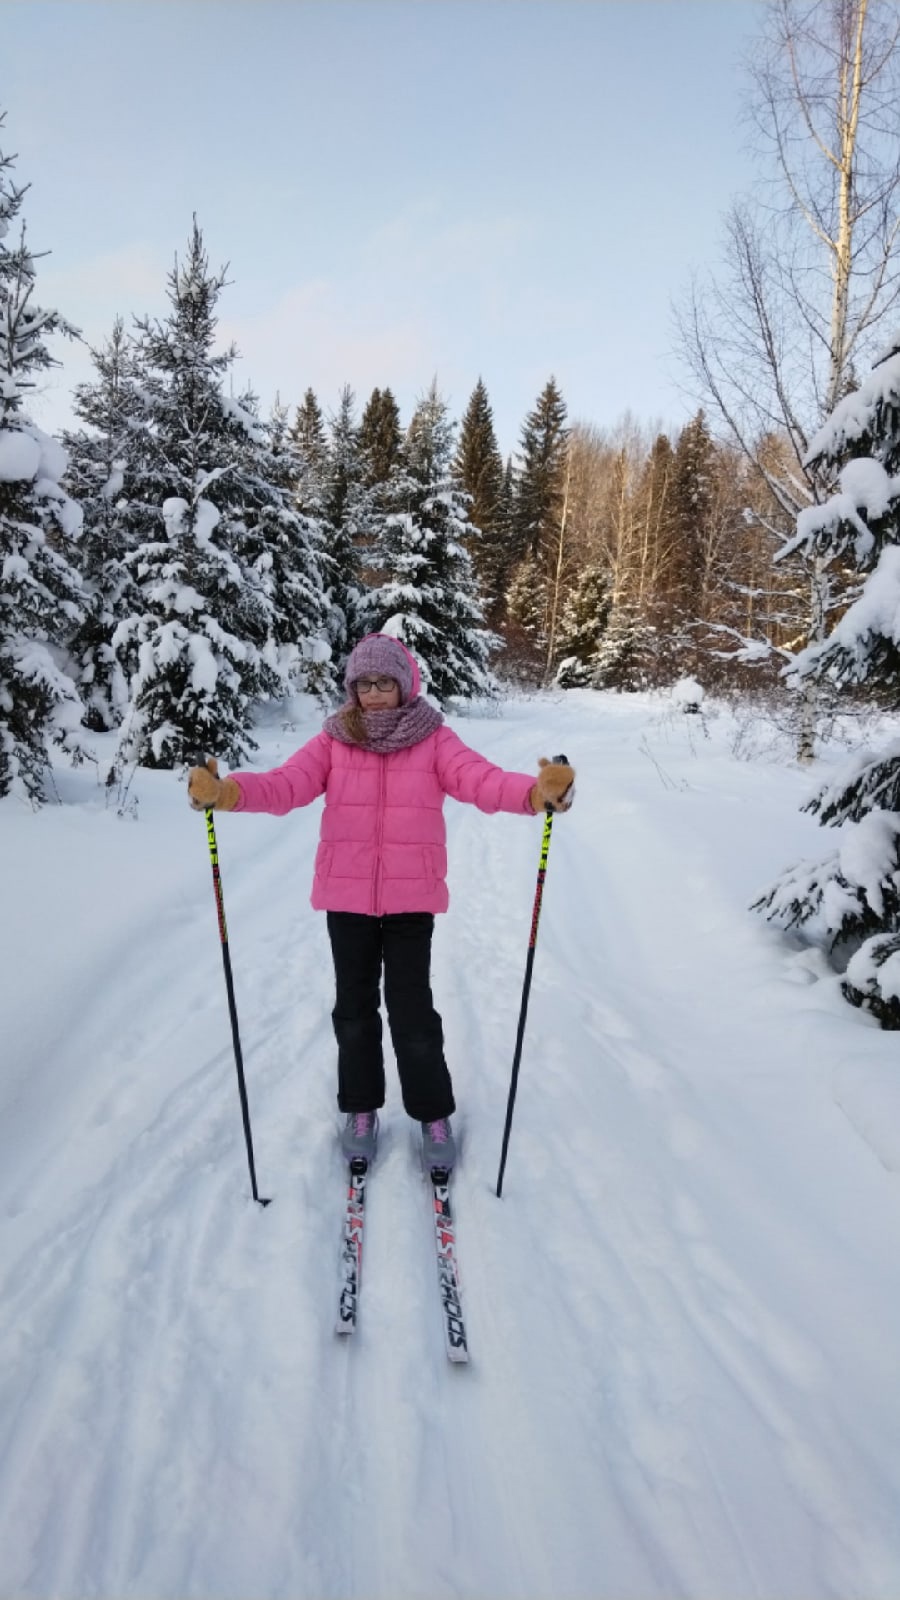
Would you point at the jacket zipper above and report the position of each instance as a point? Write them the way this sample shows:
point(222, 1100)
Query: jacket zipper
point(376, 887)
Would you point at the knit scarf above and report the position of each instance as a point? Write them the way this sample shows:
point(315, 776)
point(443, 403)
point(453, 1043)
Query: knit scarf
point(387, 731)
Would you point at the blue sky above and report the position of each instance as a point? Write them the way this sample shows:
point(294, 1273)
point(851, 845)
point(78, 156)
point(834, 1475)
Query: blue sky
point(402, 190)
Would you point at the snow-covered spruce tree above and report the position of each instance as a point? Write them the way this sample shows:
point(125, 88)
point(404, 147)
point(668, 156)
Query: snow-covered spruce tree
point(525, 596)
point(306, 449)
point(344, 531)
point(41, 597)
point(196, 637)
point(428, 596)
point(850, 901)
point(583, 624)
point(244, 496)
point(626, 652)
point(290, 564)
point(104, 475)
point(310, 444)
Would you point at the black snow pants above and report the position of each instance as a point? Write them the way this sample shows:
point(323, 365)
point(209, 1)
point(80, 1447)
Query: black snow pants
point(401, 944)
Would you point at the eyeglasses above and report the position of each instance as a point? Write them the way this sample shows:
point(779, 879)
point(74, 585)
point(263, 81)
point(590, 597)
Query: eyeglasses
point(384, 685)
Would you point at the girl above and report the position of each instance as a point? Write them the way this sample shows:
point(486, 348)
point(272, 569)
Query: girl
point(385, 762)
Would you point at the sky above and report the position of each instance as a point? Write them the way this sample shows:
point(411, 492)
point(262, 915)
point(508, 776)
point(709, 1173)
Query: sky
point(402, 189)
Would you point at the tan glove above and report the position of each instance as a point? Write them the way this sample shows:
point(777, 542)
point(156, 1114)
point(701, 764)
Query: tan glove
point(208, 792)
point(554, 787)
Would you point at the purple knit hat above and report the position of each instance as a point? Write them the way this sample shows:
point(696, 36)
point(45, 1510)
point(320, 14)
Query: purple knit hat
point(378, 655)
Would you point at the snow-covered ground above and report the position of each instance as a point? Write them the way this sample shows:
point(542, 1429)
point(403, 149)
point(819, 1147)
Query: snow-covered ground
point(683, 1313)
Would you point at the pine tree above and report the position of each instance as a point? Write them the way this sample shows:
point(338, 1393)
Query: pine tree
point(526, 602)
point(282, 548)
point(246, 498)
point(428, 596)
point(478, 463)
point(308, 434)
point(380, 438)
point(691, 507)
point(197, 637)
point(624, 658)
point(308, 441)
point(381, 456)
point(539, 487)
point(105, 457)
point(479, 469)
point(41, 596)
point(528, 574)
point(584, 622)
point(344, 529)
point(850, 902)
point(506, 504)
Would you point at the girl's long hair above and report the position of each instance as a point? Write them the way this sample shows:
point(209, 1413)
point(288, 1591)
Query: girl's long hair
point(355, 723)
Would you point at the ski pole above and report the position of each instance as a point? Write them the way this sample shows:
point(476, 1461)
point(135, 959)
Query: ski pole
point(232, 1007)
point(526, 989)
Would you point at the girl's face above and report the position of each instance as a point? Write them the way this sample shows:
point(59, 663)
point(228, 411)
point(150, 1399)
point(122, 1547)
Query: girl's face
point(372, 697)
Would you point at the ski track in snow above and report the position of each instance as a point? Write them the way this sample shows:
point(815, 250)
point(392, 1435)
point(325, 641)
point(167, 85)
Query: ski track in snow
point(682, 1379)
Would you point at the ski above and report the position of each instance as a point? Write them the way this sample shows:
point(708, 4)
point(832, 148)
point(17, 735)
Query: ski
point(351, 1246)
point(455, 1340)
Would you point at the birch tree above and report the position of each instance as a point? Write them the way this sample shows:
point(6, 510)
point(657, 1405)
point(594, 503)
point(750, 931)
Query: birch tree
point(849, 902)
point(811, 266)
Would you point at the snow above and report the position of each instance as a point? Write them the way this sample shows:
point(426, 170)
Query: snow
point(882, 974)
point(318, 651)
point(204, 667)
point(203, 481)
point(54, 457)
point(206, 516)
point(68, 512)
point(15, 569)
point(852, 417)
point(115, 482)
point(868, 485)
point(681, 1315)
point(174, 510)
point(868, 852)
point(866, 491)
point(20, 456)
point(29, 453)
point(394, 626)
point(245, 419)
point(875, 612)
point(687, 692)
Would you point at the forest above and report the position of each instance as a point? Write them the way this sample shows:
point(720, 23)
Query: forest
point(176, 558)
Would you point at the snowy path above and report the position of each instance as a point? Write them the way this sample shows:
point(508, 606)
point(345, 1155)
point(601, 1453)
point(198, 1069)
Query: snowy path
point(683, 1314)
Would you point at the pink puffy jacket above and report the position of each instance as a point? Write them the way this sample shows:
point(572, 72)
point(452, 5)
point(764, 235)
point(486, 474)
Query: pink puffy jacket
point(383, 843)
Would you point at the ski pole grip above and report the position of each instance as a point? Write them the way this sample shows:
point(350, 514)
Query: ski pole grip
point(199, 760)
point(562, 761)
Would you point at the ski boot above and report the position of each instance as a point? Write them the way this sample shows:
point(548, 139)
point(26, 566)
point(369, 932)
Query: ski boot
point(438, 1145)
point(359, 1136)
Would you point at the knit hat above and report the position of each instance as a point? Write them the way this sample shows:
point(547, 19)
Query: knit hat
point(376, 656)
